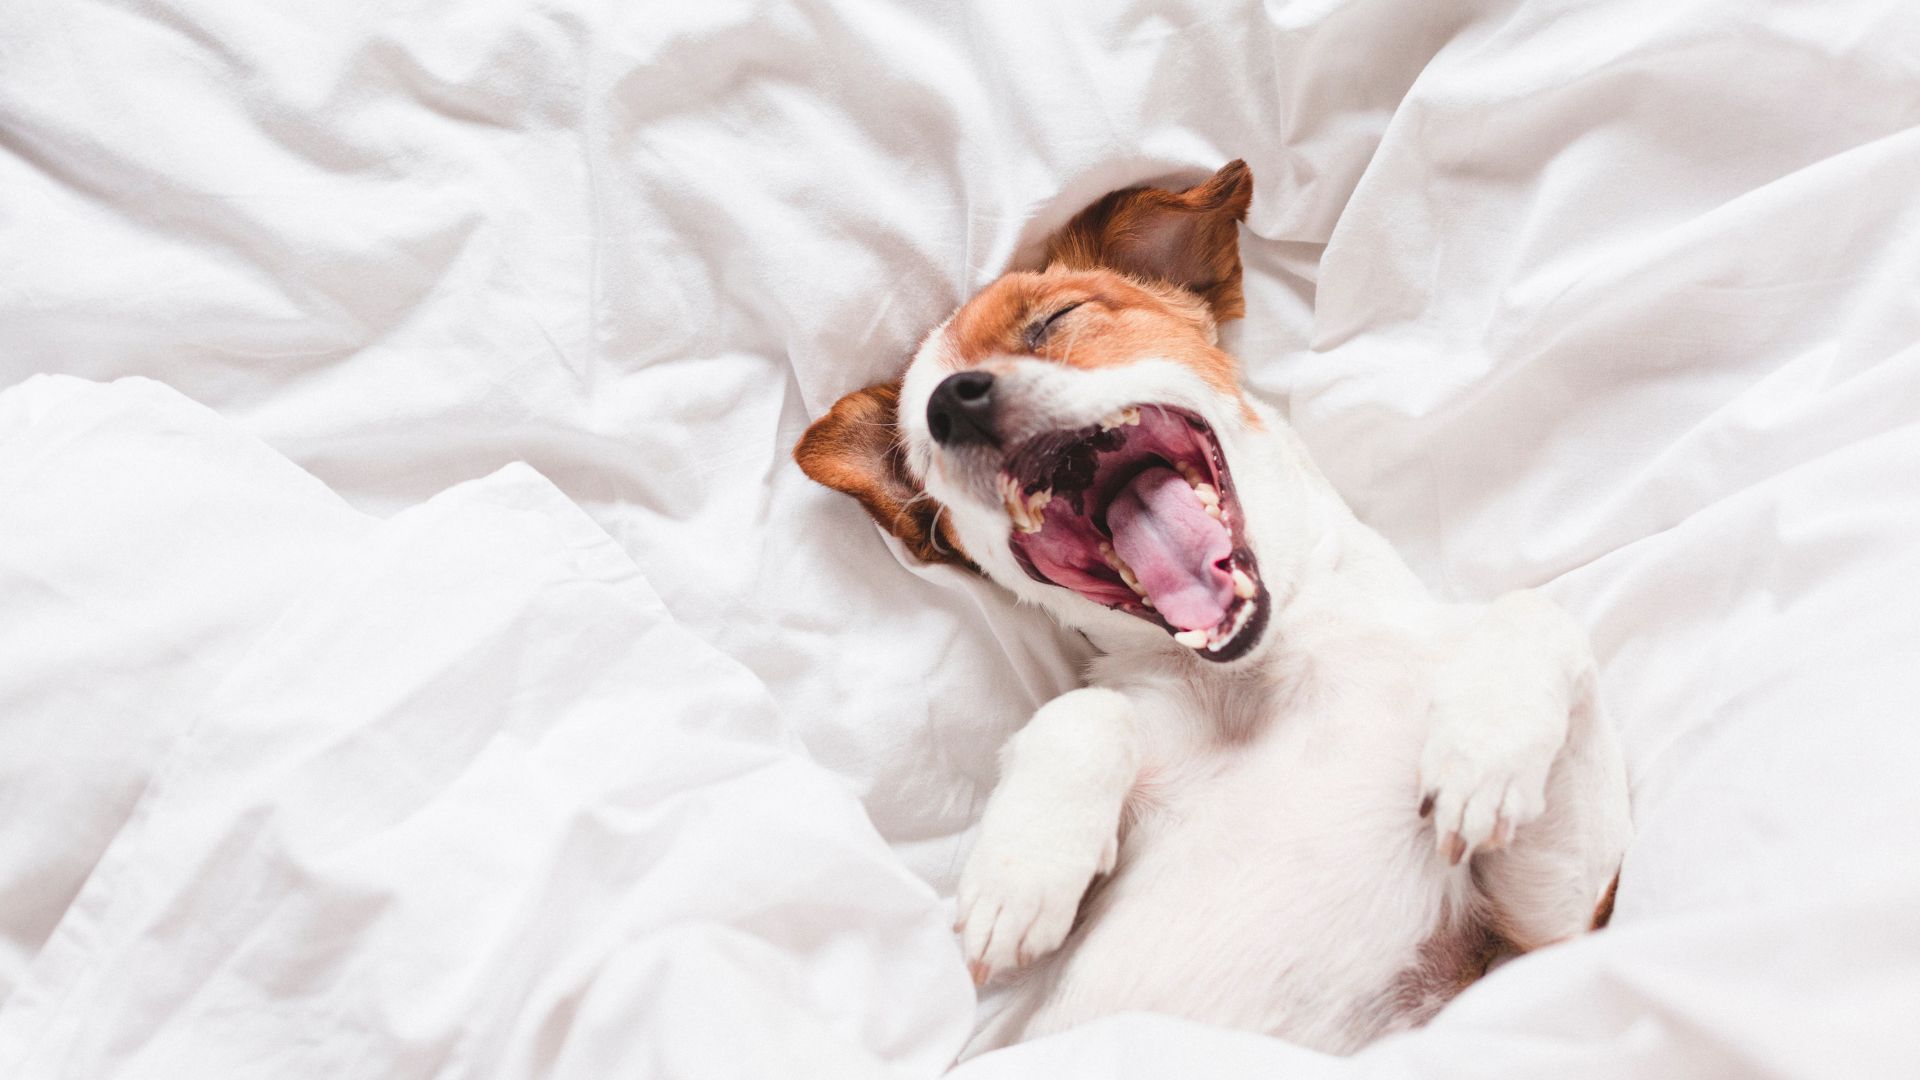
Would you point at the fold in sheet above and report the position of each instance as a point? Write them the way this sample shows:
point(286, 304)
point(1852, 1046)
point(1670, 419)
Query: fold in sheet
point(468, 801)
point(1612, 299)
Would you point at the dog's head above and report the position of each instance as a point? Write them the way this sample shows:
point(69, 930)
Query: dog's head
point(1076, 433)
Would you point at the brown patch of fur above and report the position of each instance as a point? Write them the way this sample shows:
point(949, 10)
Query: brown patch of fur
point(1448, 962)
point(1118, 321)
point(1153, 273)
point(1603, 913)
point(1190, 238)
point(855, 449)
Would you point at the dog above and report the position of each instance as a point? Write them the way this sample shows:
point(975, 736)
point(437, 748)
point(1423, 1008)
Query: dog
point(1299, 795)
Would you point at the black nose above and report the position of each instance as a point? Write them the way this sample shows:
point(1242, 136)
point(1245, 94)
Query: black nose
point(961, 410)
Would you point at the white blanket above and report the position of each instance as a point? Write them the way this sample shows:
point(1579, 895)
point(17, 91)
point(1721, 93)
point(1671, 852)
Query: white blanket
point(451, 793)
point(1621, 299)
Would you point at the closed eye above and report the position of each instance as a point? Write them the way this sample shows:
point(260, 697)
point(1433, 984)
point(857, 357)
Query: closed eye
point(1037, 331)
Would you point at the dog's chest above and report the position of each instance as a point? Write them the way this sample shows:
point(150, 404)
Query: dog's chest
point(1273, 849)
point(1341, 713)
point(1322, 778)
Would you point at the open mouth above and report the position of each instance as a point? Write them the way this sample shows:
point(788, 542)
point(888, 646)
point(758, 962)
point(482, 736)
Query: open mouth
point(1138, 513)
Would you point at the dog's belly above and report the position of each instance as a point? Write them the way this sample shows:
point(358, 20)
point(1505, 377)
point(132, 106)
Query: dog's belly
point(1285, 886)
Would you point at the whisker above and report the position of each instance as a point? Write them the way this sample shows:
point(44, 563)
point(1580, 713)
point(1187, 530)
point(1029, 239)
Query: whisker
point(937, 545)
point(1072, 339)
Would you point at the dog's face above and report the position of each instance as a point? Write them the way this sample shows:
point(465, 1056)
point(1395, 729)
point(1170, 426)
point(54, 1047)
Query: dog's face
point(1076, 433)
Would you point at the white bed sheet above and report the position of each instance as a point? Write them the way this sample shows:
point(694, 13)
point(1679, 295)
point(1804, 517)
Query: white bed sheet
point(467, 801)
point(1621, 299)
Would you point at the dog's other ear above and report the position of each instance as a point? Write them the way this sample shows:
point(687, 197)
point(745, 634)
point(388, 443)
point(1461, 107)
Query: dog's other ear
point(856, 449)
point(1189, 238)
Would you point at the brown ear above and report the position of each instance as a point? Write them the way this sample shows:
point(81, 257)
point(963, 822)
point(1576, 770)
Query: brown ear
point(855, 449)
point(1190, 239)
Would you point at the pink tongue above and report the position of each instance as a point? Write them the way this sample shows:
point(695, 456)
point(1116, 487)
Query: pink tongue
point(1164, 534)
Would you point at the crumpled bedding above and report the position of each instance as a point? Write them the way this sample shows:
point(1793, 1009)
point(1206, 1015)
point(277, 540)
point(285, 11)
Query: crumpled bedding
point(338, 743)
point(451, 794)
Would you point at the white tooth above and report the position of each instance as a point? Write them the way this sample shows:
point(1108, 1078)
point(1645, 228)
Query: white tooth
point(1120, 567)
point(1192, 474)
point(1213, 511)
point(1207, 494)
point(1130, 415)
point(1026, 511)
point(1242, 584)
point(1192, 639)
point(1035, 512)
point(1239, 624)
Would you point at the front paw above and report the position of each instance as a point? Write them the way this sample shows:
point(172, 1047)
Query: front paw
point(1479, 784)
point(1019, 895)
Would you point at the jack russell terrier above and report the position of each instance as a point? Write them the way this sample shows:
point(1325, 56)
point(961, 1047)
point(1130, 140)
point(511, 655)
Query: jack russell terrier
point(1300, 795)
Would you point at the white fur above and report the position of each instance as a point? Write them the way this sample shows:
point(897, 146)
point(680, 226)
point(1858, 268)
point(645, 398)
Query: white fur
point(1273, 871)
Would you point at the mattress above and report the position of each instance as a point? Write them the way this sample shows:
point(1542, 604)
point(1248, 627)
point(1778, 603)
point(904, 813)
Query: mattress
point(423, 659)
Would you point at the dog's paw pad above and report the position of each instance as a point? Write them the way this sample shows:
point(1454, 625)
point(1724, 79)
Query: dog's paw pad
point(1477, 801)
point(1017, 908)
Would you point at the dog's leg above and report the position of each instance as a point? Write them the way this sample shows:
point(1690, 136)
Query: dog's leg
point(1051, 826)
point(1521, 767)
point(1556, 879)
